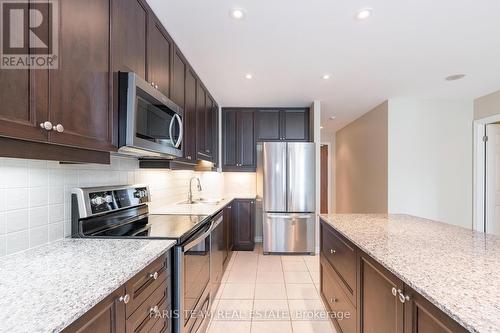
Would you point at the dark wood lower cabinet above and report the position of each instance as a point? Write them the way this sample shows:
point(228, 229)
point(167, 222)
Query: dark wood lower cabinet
point(243, 224)
point(383, 303)
point(140, 305)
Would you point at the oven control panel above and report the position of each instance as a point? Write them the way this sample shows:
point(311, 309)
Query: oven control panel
point(113, 199)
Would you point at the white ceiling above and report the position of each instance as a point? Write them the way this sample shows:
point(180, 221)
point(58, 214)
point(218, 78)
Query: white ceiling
point(405, 49)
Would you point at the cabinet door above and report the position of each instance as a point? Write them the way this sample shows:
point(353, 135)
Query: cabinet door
point(80, 98)
point(295, 125)
point(379, 309)
point(24, 102)
point(229, 140)
point(201, 111)
point(243, 232)
point(267, 126)
point(228, 235)
point(130, 20)
point(246, 140)
point(106, 317)
point(423, 317)
point(178, 82)
point(216, 136)
point(159, 50)
point(190, 117)
point(209, 123)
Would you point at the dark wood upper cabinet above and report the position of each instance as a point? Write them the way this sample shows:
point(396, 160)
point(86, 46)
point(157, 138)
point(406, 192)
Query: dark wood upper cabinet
point(209, 126)
point(201, 124)
point(190, 117)
point(268, 125)
point(243, 224)
point(295, 125)
point(160, 48)
point(178, 81)
point(239, 144)
point(129, 36)
point(80, 96)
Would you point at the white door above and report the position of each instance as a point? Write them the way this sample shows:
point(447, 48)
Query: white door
point(492, 184)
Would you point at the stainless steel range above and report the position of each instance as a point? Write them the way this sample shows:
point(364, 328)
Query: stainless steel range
point(122, 212)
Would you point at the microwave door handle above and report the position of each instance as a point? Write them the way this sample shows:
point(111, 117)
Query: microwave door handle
point(170, 131)
point(181, 133)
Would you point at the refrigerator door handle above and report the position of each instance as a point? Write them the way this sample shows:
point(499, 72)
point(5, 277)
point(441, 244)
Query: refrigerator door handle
point(279, 216)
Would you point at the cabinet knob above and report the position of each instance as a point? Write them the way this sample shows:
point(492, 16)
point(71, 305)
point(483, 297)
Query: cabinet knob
point(394, 291)
point(58, 128)
point(332, 251)
point(333, 300)
point(152, 84)
point(47, 125)
point(188, 157)
point(125, 298)
point(402, 297)
point(156, 86)
point(154, 275)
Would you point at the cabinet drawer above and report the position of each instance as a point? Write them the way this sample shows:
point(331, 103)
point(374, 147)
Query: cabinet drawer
point(341, 255)
point(144, 319)
point(141, 286)
point(337, 300)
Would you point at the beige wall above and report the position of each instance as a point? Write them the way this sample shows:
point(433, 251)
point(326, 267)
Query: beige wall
point(487, 106)
point(361, 155)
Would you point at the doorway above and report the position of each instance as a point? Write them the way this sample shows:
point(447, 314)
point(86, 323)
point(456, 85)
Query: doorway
point(487, 175)
point(324, 197)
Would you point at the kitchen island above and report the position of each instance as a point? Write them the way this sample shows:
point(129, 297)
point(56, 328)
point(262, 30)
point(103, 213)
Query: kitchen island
point(455, 270)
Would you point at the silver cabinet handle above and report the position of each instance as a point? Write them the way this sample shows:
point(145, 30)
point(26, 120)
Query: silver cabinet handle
point(332, 251)
point(402, 297)
point(154, 275)
point(333, 300)
point(58, 128)
point(156, 86)
point(188, 157)
point(394, 291)
point(125, 298)
point(47, 125)
point(152, 84)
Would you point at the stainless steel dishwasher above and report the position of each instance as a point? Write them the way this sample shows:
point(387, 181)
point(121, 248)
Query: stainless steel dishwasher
point(217, 249)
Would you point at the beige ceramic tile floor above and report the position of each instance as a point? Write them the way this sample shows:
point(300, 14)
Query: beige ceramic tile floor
point(261, 294)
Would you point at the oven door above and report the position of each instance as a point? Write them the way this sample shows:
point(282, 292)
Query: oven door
point(192, 278)
point(151, 122)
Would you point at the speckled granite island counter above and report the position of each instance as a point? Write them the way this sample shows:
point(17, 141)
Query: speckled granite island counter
point(456, 269)
point(47, 288)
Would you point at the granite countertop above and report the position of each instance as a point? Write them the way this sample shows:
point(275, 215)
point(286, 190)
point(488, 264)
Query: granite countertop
point(47, 288)
point(456, 269)
point(197, 208)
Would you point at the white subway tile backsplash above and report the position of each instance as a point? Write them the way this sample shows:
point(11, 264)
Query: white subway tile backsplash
point(38, 216)
point(56, 195)
point(16, 241)
point(16, 220)
point(17, 198)
point(56, 231)
point(38, 196)
point(39, 236)
point(38, 177)
point(56, 213)
point(2, 223)
point(39, 206)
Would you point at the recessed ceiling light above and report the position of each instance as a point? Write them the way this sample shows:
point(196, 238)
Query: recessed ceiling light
point(364, 13)
point(454, 77)
point(332, 117)
point(326, 77)
point(237, 13)
point(249, 76)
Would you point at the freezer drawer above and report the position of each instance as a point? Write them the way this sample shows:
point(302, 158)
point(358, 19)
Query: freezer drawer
point(289, 233)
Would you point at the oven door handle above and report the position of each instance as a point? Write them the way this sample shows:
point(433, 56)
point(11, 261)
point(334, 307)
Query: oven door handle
point(199, 239)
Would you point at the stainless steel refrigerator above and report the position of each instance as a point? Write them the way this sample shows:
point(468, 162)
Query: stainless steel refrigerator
point(286, 191)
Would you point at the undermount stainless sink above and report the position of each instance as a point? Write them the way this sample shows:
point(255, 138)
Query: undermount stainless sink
point(200, 201)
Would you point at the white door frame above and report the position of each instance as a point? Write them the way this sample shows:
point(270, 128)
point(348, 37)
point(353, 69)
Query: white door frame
point(479, 171)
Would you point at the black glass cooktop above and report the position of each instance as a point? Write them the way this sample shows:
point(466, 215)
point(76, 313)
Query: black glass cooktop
point(177, 227)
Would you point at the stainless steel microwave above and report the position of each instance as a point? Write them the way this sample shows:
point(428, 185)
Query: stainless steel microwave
point(150, 124)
